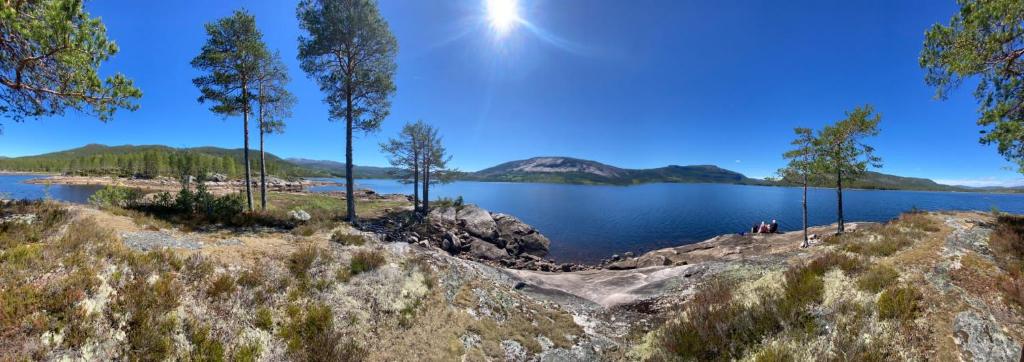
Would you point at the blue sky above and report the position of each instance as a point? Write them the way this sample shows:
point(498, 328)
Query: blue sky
point(630, 83)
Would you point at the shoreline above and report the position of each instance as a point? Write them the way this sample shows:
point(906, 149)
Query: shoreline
point(171, 184)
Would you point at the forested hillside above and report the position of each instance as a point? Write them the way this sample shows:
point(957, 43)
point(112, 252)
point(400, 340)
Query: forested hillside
point(150, 161)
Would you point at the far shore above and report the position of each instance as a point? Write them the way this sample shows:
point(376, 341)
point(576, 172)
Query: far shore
point(171, 184)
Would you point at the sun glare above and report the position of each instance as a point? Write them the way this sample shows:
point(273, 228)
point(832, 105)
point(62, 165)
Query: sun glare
point(503, 14)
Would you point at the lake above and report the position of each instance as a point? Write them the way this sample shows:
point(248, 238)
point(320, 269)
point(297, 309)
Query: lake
point(13, 187)
point(588, 223)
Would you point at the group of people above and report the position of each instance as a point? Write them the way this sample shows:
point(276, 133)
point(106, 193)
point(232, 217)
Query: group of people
point(765, 228)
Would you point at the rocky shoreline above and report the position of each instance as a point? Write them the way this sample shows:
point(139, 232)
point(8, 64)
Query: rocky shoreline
point(216, 183)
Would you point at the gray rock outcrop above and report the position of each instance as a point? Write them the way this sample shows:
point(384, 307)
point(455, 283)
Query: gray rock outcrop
point(981, 339)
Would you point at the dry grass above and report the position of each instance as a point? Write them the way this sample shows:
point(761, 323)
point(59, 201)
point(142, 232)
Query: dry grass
point(899, 303)
point(878, 278)
point(1007, 243)
point(366, 260)
point(310, 335)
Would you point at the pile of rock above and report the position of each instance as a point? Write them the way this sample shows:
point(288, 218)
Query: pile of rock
point(477, 234)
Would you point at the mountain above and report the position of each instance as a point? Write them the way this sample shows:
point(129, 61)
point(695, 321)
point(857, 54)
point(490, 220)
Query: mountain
point(335, 168)
point(577, 171)
point(881, 181)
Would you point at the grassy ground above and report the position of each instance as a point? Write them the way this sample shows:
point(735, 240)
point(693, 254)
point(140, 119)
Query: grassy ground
point(860, 297)
point(70, 289)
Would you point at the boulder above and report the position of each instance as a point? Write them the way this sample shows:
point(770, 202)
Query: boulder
point(520, 238)
point(217, 177)
point(299, 215)
point(442, 214)
point(981, 339)
point(484, 250)
point(478, 222)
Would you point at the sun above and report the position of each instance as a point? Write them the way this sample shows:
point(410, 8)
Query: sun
point(502, 14)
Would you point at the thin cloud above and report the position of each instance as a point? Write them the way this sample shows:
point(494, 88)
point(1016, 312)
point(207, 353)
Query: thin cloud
point(983, 182)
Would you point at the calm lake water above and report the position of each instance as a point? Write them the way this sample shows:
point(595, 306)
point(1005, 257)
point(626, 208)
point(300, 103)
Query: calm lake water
point(13, 187)
point(588, 223)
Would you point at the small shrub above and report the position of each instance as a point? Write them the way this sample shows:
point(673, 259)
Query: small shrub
point(302, 260)
point(345, 238)
point(898, 303)
point(878, 278)
point(251, 278)
point(148, 328)
point(249, 352)
point(310, 336)
point(774, 353)
point(197, 268)
point(264, 319)
point(366, 260)
point(1007, 243)
point(116, 196)
point(205, 348)
point(223, 286)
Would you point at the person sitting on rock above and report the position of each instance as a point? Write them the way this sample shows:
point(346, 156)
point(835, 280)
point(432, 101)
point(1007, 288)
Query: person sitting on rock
point(763, 229)
point(755, 228)
point(773, 227)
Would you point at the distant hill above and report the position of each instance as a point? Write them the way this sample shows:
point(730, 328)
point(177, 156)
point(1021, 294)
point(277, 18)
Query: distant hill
point(881, 181)
point(337, 169)
point(577, 171)
point(151, 161)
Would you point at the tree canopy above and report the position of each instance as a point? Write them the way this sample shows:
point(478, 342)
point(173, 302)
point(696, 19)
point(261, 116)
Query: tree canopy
point(350, 52)
point(984, 40)
point(50, 54)
point(231, 58)
point(841, 147)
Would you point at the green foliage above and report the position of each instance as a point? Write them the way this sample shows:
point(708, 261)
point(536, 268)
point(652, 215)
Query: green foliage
point(899, 303)
point(345, 238)
point(984, 40)
point(878, 278)
point(116, 196)
point(1007, 243)
point(205, 348)
point(348, 49)
point(150, 161)
point(302, 260)
point(841, 149)
point(264, 319)
point(366, 260)
point(222, 287)
point(149, 327)
point(713, 326)
point(50, 59)
point(248, 352)
point(231, 60)
point(310, 335)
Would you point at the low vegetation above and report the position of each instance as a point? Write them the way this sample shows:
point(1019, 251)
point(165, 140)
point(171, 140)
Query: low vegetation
point(1007, 241)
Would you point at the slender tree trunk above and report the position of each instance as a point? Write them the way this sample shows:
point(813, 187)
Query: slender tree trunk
point(245, 126)
point(839, 194)
point(426, 184)
point(350, 191)
point(263, 158)
point(263, 175)
point(416, 183)
point(805, 211)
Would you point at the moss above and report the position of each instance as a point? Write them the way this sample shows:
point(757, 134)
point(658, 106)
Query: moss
point(878, 278)
point(899, 303)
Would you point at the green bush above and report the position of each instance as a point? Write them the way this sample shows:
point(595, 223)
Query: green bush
point(302, 260)
point(116, 196)
point(310, 336)
point(264, 319)
point(223, 286)
point(205, 348)
point(898, 303)
point(878, 278)
point(366, 260)
point(345, 238)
